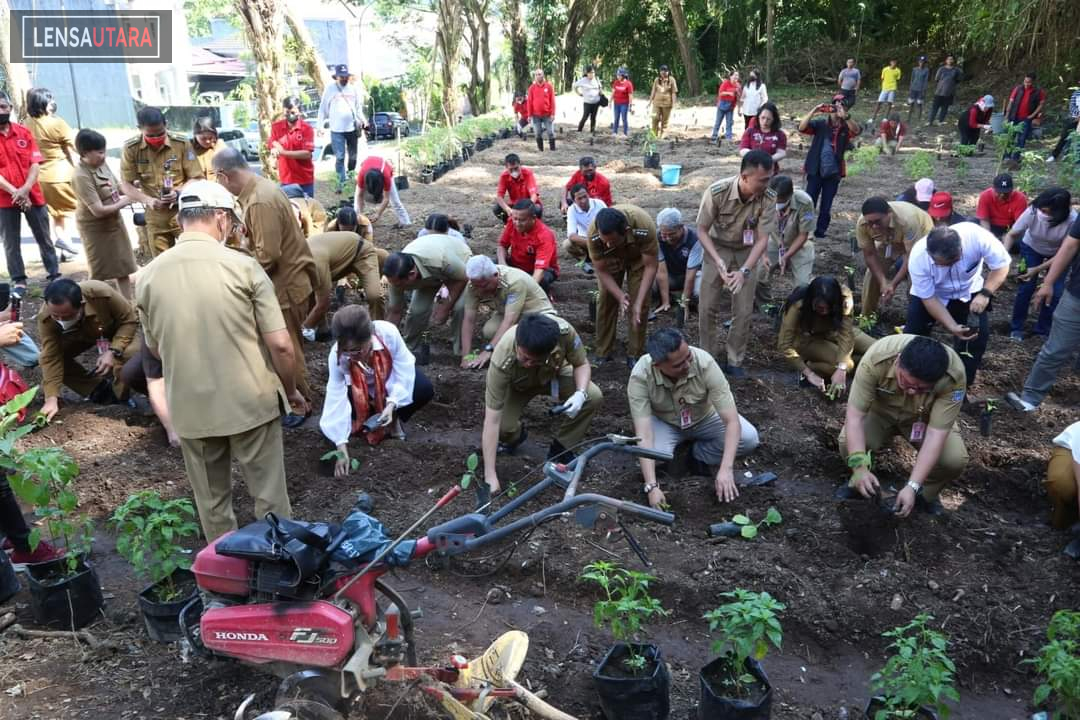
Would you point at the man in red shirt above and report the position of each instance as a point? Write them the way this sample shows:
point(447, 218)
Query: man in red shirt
point(529, 245)
point(521, 109)
point(21, 195)
point(891, 134)
point(292, 143)
point(540, 103)
point(375, 182)
point(1025, 106)
point(1000, 206)
point(622, 98)
point(516, 183)
point(596, 184)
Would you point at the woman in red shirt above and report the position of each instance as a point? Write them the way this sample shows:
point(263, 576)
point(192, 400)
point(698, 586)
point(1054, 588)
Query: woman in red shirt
point(766, 135)
point(727, 98)
point(622, 97)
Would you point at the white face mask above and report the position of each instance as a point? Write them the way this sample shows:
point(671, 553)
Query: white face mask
point(68, 324)
point(515, 174)
point(780, 207)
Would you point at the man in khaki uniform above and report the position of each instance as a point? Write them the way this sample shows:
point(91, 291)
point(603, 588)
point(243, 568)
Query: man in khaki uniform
point(733, 229)
point(342, 254)
point(153, 167)
point(789, 243)
point(911, 386)
point(275, 239)
point(678, 394)
point(423, 266)
point(623, 245)
point(508, 293)
point(74, 318)
point(228, 360)
point(886, 232)
point(541, 354)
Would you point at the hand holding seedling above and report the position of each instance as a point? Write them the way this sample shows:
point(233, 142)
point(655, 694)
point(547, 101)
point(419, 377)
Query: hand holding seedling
point(725, 485)
point(656, 498)
point(475, 361)
point(838, 383)
point(963, 331)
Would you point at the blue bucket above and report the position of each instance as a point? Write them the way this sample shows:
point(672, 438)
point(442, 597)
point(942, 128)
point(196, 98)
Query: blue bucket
point(669, 174)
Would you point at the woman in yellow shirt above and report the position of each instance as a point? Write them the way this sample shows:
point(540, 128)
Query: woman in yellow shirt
point(205, 143)
point(55, 139)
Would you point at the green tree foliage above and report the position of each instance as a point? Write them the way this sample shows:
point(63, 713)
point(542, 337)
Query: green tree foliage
point(199, 13)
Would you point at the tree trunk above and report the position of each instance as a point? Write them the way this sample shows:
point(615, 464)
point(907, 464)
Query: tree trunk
point(263, 22)
point(310, 59)
point(770, 29)
point(448, 39)
point(16, 78)
point(578, 16)
point(479, 55)
point(686, 49)
point(514, 26)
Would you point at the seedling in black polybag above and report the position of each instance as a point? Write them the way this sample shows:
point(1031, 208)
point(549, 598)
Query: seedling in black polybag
point(987, 418)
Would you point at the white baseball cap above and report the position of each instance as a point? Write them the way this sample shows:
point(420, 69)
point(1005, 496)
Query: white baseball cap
point(924, 190)
point(205, 194)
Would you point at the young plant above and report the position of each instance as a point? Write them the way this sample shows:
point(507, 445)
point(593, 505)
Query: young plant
point(1059, 663)
point(866, 322)
point(1032, 175)
point(148, 534)
point(626, 605)
point(1005, 142)
point(864, 160)
point(920, 165)
point(962, 169)
point(336, 455)
point(750, 528)
point(918, 674)
point(745, 627)
point(471, 463)
point(966, 150)
point(648, 145)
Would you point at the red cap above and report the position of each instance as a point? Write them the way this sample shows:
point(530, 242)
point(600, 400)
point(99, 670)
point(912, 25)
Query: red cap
point(940, 205)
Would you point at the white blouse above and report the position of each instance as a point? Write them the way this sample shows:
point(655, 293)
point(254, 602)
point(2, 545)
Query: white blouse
point(753, 97)
point(590, 89)
point(336, 420)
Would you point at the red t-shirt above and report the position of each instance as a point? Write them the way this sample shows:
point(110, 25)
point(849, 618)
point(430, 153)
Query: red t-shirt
point(892, 130)
point(1025, 98)
point(374, 162)
point(1002, 214)
point(535, 251)
point(728, 91)
point(598, 187)
point(521, 107)
point(18, 152)
point(299, 137)
point(541, 100)
point(524, 187)
point(621, 92)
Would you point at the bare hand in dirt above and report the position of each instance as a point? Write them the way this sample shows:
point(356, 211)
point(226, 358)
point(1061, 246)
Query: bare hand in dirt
point(816, 380)
point(105, 364)
point(663, 308)
point(477, 362)
point(656, 498)
point(838, 381)
point(298, 403)
point(493, 482)
point(979, 303)
point(50, 408)
point(865, 482)
point(173, 438)
point(964, 332)
point(725, 485)
point(10, 333)
point(1042, 296)
point(905, 502)
point(1025, 277)
point(341, 465)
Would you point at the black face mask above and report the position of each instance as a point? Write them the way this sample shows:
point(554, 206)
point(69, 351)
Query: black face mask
point(589, 174)
point(5, 118)
point(292, 117)
point(343, 81)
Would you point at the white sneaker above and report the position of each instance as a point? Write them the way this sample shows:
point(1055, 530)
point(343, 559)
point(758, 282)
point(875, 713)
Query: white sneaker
point(1049, 159)
point(1020, 403)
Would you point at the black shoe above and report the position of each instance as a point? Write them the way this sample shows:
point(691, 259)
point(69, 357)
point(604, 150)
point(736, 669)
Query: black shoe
point(509, 448)
point(1073, 549)
point(930, 507)
point(103, 394)
point(557, 453)
point(423, 354)
point(734, 372)
point(846, 492)
point(540, 144)
point(292, 420)
point(551, 143)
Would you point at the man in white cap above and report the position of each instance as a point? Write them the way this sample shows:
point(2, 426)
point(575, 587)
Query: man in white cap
point(226, 402)
point(342, 109)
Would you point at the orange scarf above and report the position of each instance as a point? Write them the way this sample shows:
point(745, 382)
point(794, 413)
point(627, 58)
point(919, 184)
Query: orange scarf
point(381, 363)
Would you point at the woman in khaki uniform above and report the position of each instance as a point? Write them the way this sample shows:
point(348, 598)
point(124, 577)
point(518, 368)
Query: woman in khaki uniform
point(54, 138)
point(818, 335)
point(205, 143)
point(108, 247)
point(1062, 485)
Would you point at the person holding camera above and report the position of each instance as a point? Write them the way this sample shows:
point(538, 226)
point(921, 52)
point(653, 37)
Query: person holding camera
point(824, 165)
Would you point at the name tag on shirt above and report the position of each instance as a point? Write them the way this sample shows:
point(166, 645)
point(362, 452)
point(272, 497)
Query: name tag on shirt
point(685, 418)
point(918, 431)
point(102, 346)
point(748, 237)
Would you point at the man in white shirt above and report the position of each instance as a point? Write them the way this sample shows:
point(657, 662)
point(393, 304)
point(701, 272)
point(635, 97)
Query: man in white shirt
point(579, 215)
point(947, 284)
point(341, 105)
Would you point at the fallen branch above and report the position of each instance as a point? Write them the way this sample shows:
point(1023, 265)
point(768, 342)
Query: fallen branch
point(6, 619)
point(83, 636)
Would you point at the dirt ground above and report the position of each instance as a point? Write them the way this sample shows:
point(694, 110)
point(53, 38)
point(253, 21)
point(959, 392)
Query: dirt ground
point(991, 571)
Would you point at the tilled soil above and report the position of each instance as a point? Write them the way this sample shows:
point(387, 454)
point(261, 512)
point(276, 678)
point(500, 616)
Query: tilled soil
point(990, 572)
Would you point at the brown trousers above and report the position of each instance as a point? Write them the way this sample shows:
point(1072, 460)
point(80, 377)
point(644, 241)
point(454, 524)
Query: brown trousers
point(607, 313)
point(710, 319)
point(294, 319)
point(1061, 486)
point(83, 381)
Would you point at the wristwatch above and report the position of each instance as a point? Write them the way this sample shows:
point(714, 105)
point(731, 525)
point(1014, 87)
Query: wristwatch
point(745, 271)
point(489, 347)
point(649, 487)
point(914, 486)
point(118, 354)
point(987, 293)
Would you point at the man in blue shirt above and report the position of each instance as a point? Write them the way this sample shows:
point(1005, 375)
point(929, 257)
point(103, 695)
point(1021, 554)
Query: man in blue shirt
point(681, 257)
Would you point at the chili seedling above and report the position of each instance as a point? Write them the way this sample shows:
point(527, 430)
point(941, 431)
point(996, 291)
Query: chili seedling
point(626, 606)
point(750, 528)
point(471, 463)
point(745, 627)
point(336, 455)
point(919, 673)
point(1059, 663)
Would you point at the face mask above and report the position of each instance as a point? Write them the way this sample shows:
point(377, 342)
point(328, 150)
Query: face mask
point(589, 174)
point(780, 207)
point(292, 117)
point(515, 174)
point(5, 118)
point(1045, 216)
point(68, 324)
point(154, 142)
point(343, 81)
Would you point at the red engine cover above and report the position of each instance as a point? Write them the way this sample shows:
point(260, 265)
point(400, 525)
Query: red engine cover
point(221, 573)
point(304, 633)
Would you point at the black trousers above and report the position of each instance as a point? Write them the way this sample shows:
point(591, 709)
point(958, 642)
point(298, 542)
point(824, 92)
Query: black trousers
point(10, 227)
point(941, 102)
point(423, 392)
point(589, 112)
point(1068, 128)
point(920, 322)
point(12, 523)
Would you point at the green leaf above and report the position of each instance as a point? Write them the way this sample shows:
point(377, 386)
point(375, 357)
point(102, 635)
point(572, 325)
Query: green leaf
point(749, 532)
point(35, 539)
point(354, 464)
point(333, 455)
point(472, 462)
point(1041, 694)
point(740, 520)
point(466, 480)
point(773, 517)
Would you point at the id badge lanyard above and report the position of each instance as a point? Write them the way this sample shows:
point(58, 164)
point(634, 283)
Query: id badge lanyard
point(748, 234)
point(918, 428)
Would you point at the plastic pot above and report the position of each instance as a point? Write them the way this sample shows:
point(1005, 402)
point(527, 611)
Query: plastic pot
point(878, 703)
point(652, 161)
point(986, 421)
point(715, 705)
point(402, 182)
point(162, 619)
point(65, 601)
point(427, 177)
point(633, 697)
point(9, 581)
point(504, 133)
